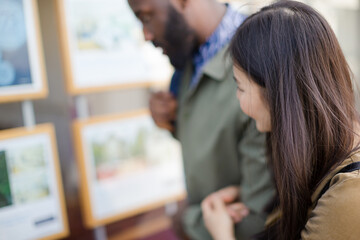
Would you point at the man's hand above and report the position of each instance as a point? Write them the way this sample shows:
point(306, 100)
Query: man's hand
point(163, 108)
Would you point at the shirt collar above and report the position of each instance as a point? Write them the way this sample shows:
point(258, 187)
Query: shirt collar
point(206, 55)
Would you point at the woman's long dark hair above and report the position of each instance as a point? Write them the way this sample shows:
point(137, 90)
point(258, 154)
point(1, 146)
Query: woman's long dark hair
point(290, 50)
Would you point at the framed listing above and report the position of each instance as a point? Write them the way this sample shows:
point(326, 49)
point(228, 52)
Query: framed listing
point(22, 70)
point(105, 50)
point(31, 196)
point(127, 166)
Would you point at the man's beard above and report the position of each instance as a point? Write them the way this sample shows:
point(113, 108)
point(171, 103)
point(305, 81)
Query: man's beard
point(180, 39)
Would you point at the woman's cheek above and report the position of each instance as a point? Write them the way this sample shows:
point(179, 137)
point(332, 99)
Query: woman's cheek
point(244, 106)
point(238, 95)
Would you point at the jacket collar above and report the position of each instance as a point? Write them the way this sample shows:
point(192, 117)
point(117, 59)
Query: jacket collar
point(219, 65)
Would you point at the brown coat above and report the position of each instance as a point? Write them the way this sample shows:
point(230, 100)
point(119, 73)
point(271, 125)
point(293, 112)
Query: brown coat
point(337, 213)
point(336, 216)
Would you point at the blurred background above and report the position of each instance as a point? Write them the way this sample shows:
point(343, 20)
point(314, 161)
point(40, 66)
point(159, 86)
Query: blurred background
point(63, 106)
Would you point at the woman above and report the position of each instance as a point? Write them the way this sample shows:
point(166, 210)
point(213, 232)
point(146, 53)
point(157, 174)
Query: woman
point(293, 79)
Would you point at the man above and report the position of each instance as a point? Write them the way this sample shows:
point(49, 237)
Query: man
point(221, 146)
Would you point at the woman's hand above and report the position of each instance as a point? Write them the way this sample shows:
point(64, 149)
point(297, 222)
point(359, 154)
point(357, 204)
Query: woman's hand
point(237, 211)
point(228, 194)
point(230, 197)
point(217, 219)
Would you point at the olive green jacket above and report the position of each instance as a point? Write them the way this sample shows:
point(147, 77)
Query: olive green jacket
point(221, 147)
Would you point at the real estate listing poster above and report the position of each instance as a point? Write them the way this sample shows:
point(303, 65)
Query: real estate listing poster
point(128, 166)
point(22, 72)
point(31, 196)
point(105, 49)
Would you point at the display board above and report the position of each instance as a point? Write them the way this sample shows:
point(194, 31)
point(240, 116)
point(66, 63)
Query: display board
point(127, 166)
point(31, 194)
point(22, 71)
point(105, 50)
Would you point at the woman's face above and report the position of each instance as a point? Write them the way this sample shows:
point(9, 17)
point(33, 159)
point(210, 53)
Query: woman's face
point(251, 100)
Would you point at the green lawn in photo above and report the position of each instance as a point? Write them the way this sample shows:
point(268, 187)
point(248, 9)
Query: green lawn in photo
point(5, 191)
